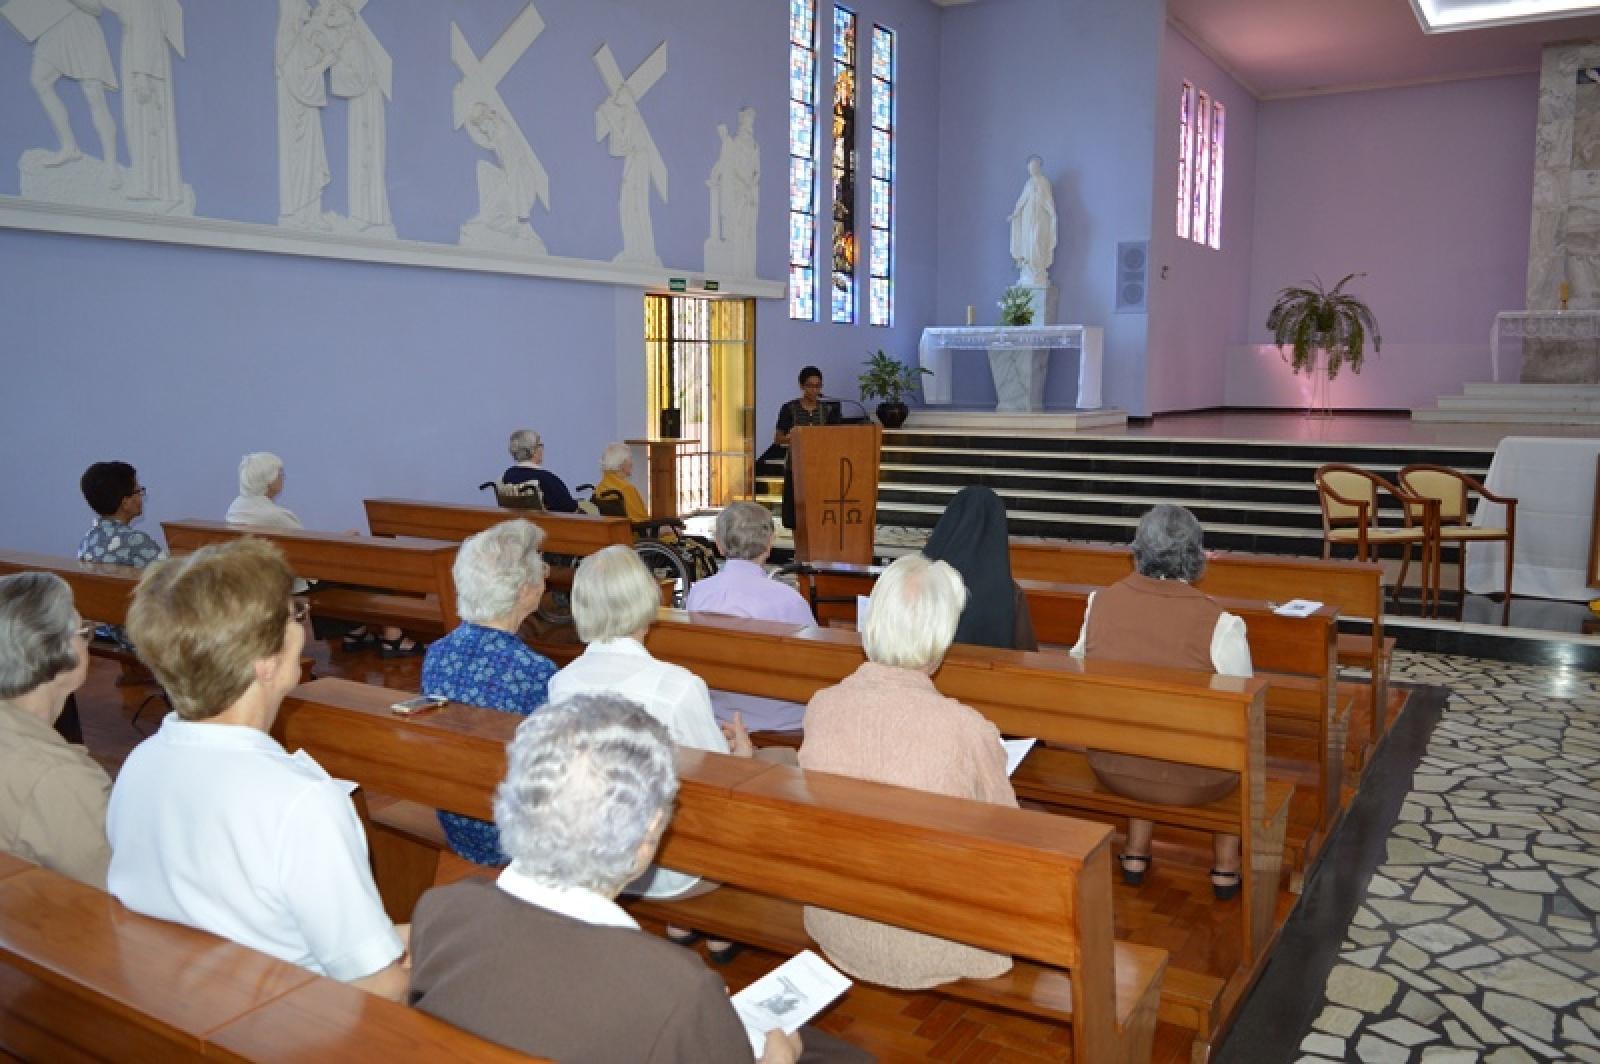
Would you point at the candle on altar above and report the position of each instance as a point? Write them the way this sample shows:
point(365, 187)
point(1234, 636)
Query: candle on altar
point(1566, 293)
point(972, 314)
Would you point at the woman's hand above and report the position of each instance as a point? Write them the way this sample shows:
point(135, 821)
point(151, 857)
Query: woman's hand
point(781, 1048)
point(739, 744)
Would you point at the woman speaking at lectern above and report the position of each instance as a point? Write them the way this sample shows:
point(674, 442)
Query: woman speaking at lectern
point(809, 409)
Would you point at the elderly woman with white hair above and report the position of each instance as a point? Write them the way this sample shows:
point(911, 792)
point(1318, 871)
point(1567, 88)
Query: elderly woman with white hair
point(887, 722)
point(527, 456)
point(52, 794)
point(614, 602)
point(542, 959)
point(499, 578)
point(260, 483)
point(1155, 616)
point(616, 467)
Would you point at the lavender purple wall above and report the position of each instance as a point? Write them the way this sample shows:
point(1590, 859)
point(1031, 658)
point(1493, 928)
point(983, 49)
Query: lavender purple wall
point(1198, 294)
point(1429, 190)
point(1073, 81)
point(388, 380)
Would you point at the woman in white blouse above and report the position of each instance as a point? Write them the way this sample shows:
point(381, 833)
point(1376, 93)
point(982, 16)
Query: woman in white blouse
point(614, 602)
point(260, 484)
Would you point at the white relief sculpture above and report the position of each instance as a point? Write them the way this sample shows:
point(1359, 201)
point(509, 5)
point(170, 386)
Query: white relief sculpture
point(149, 119)
point(735, 185)
point(507, 192)
point(1033, 228)
point(68, 43)
point(331, 43)
point(619, 119)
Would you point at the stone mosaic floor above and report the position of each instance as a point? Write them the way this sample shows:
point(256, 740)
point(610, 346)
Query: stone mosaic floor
point(1477, 937)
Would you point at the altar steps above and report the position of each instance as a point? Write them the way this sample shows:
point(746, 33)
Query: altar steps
point(1251, 496)
point(1526, 404)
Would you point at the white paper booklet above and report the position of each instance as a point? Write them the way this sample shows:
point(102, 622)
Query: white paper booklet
point(1016, 750)
point(787, 997)
point(1297, 608)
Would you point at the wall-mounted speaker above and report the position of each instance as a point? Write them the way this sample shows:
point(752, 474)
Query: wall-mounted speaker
point(1133, 274)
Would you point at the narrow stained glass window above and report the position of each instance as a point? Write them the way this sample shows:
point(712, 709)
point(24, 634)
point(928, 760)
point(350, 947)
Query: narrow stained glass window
point(844, 165)
point(1214, 223)
point(880, 286)
point(1185, 156)
point(1202, 168)
point(802, 160)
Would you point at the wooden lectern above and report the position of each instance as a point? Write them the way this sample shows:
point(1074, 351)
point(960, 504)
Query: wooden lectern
point(835, 471)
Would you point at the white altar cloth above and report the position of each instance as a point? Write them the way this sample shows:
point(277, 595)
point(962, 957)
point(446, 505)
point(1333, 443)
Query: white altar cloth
point(1552, 479)
point(937, 344)
point(1540, 325)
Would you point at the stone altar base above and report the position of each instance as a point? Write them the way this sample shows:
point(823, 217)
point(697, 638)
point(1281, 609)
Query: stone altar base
point(1560, 361)
point(1019, 379)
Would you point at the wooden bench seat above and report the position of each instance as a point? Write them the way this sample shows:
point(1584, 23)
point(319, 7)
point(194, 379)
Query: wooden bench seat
point(410, 582)
point(1024, 883)
point(82, 978)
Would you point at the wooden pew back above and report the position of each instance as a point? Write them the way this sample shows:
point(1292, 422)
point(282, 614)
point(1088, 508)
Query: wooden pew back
point(1015, 881)
point(81, 977)
point(101, 592)
point(578, 534)
point(413, 566)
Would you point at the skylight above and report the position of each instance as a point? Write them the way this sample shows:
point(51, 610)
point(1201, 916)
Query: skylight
point(1444, 16)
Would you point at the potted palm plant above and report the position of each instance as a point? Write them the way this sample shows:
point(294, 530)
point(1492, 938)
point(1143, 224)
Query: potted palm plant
point(888, 380)
point(1324, 329)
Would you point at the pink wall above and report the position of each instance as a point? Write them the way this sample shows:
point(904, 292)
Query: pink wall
point(1197, 310)
point(1429, 190)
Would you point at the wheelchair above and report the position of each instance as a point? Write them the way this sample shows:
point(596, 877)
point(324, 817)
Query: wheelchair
point(682, 559)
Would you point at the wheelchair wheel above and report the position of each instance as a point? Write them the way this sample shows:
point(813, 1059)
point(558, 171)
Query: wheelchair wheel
point(666, 564)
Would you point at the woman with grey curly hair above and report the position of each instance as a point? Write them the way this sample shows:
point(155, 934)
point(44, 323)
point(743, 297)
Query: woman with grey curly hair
point(52, 794)
point(542, 959)
point(527, 454)
point(1155, 616)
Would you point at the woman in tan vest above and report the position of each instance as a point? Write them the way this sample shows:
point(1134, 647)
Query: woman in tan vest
point(1156, 617)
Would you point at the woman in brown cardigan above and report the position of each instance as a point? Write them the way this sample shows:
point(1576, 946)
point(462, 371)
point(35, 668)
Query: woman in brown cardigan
point(1155, 616)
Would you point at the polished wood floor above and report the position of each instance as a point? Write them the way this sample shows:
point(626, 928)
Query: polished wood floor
point(1173, 910)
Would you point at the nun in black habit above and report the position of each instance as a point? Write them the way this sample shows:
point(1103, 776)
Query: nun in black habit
point(972, 537)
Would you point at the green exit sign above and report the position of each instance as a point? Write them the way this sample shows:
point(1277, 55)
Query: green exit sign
point(713, 286)
point(678, 284)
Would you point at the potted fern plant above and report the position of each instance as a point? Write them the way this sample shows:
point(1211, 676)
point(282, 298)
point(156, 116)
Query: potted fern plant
point(1325, 330)
point(888, 380)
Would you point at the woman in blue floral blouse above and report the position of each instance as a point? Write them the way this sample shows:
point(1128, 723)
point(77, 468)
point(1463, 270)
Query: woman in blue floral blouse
point(499, 578)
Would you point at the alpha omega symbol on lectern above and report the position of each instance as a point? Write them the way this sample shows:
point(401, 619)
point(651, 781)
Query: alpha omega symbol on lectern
point(845, 509)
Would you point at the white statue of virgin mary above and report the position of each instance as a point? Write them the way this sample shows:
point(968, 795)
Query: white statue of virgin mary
point(1033, 228)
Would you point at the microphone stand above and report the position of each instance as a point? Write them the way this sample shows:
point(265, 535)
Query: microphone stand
point(865, 418)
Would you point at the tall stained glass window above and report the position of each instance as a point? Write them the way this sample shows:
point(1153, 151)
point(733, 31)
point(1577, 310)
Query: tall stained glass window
point(1202, 168)
point(1202, 129)
point(880, 267)
point(803, 160)
point(844, 165)
point(1185, 156)
point(1219, 116)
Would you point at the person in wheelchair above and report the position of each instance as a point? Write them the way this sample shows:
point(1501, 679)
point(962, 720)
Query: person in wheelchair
point(615, 496)
point(527, 455)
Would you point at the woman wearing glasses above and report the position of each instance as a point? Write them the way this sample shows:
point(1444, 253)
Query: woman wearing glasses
point(52, 794)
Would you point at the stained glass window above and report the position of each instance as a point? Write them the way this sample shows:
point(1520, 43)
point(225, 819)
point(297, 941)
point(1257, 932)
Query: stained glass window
point(803, 159)
point(1214, 222)
point(1202, 168)
point(880, 268)
point(844, 165)
point(1185, 156)
point(1202, 126)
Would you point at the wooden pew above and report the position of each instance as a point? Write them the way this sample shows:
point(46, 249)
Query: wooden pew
point(1030, 885)
point(1129, 709)
point(100, 593)
point(413, 586)
point(1307, 721)
point(82, 978)
point(1355, 589)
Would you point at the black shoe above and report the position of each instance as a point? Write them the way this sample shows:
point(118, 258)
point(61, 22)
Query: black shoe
point(1228, 888)
point(686, 939)
point(358, 640)
point(725, 954)
point(1134, 866)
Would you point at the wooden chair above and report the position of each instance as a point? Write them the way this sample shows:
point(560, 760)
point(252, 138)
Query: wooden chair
point(1450, 489)
point(1349, 498)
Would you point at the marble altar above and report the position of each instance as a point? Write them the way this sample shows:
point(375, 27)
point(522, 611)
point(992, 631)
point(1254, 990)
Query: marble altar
point(1018, 357)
